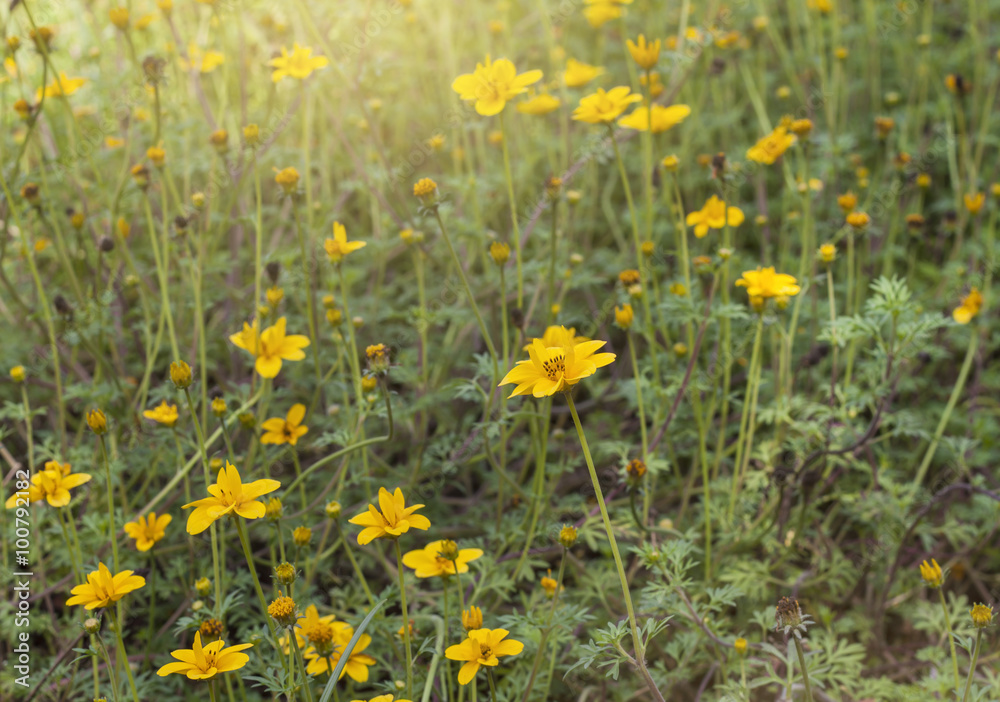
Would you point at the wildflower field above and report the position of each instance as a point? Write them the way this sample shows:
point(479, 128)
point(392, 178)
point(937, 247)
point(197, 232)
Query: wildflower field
point(500, 350)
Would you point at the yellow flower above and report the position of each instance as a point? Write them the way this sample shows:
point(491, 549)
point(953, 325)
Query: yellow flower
point(678, 289)
point(483, 647)
point(302, 536)
point(61, 86)
point(164, 413)
point(271, 346)
point(339, 246)
point(847, 202)
point(204, 662)
point(97, 421)
point(827, 253)
point(299, 64)
point(549, 584)
point(568, 536)
point(17, 374)
point(552, 369)
point(356, 667)
point(180, 374)
point(119, 17)
point(51, 484)
point(714, 214)
point(492, 84)
point(671, 162)
point(643, 53)
point(600, 12)
point(499, 252)
point(148, 530)
point(288, 179)
point(205, 61)
point(982, 616)
point(969, 307)
point(227, 495)
point(285, 431)
point(391, 519)
point(765, 283)
point(931, 573)
point(382, 698)
point(426, 190)
point(624, 316)
point(541, 104)
point(102, 588)
point(579, 74)
point(472, 618)
point(429, 561)
point(770, 148)
point(274, 295)
point(974, 202)
point(605, 107)
point(157, 155)
point(740, 645)
point(663, 118)
point(858, 220)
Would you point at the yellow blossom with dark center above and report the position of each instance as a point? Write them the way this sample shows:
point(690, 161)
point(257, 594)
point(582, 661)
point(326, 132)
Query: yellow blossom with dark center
point(493, 84)
point(552, 369)
point(483, 647)
point(299, 64)
point(205, 662)
point(604, 107)
point(391, 519)
point(148, 530)
point(440, 559)
point(102, 588)
point(289, 430)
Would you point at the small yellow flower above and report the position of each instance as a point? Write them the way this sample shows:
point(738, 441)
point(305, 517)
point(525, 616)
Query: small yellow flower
point(552, 369)
point(299, 64)
point(483, 647)
point(61, 87)
point(740, 645)
point(157, 155)
point(847, 202)
point(858, 220)
point(274, 296)
point(205, 662)
point(218, 406)
point(472, 618)
point(578, 74)
point(282, 610)
point(678, 289)
point(549, 584)
point(51, 484)
point(765, 283)
point(771, 147)
point(499, 252)
point(97, 422)
point(643, 53)
point(624, 316)
point(391, 519)
point(164, 413)
point(426, 190)
point(148, 530)
point(932, 574)
point(657, 119)
point(203, 586)
point(671, 162)
point(541, 104)
point(493, 84)
point(288, 179)
point(716, 215)
point(271, 346)
point(302, 536)
point(339, 246)
point(568, 536)
point(229, 495)
point(827, 253)
point(605, 107)
point(17, 374)
point(435, 560)
point(102, 588)
point(969, 307)
point(982, 615)
point(974, 202)
point(285, 431)
point(119, 17)
point(180, 374)
point(883, 126)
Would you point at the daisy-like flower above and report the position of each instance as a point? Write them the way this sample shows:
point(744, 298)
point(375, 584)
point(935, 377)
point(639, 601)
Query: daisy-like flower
point(440, 558)
point(271, 346)
point(969, 307)
point(765, 283)
point(771, 147)
point(663, 118)
point(382, 698)
point(285, 431)
point(204, 662)
point(579, 73)
point(390, 519)
point(62, 86)
point(493, 84)
point(552, 369)
point(605, 107)
point(974, 202)
point(356, 667)
point(541, 104)
point(644, 53)
point(227, 495)
point(299, 64)
point(600, 12)
point(102, 588)
point(932, 574)
point(558, 336)
point(309, 622)
point(483, 647)
point(339, 246)
point(164, 413)
point(714, 215)
point(982, 615)
point(51, 484)
point(148, 530)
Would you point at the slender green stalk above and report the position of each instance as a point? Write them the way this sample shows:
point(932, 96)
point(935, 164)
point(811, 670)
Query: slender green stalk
point(302, 665)
point(241, 531)
point(112, 531)
point(208, 481)
point(972, 666)
point(116, 625)
point(637, 642)
point(753, 380)
point(406, 620)
point(951, 640)
point(515, 225)
point(802, 664)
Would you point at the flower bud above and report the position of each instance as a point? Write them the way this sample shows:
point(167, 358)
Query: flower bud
point(97, 422)
point(180, 375)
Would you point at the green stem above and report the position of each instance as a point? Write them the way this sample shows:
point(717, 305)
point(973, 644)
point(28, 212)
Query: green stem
point(805, 673)
point(116, 623)
point(406, 620)
point(112, 531)
point(972, 666)
point(951, 641)
point(513, 217)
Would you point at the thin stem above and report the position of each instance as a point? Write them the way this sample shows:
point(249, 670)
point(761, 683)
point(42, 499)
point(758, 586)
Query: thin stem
point(116, 623)
point(406, 620)
point(951, 641)
point(513, 217)
point(112, 531)
point(241, 531)
point(805, 673)
point(972, 667)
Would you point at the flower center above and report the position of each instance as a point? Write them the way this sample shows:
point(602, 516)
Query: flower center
point(555, 366)
point(485, 651)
